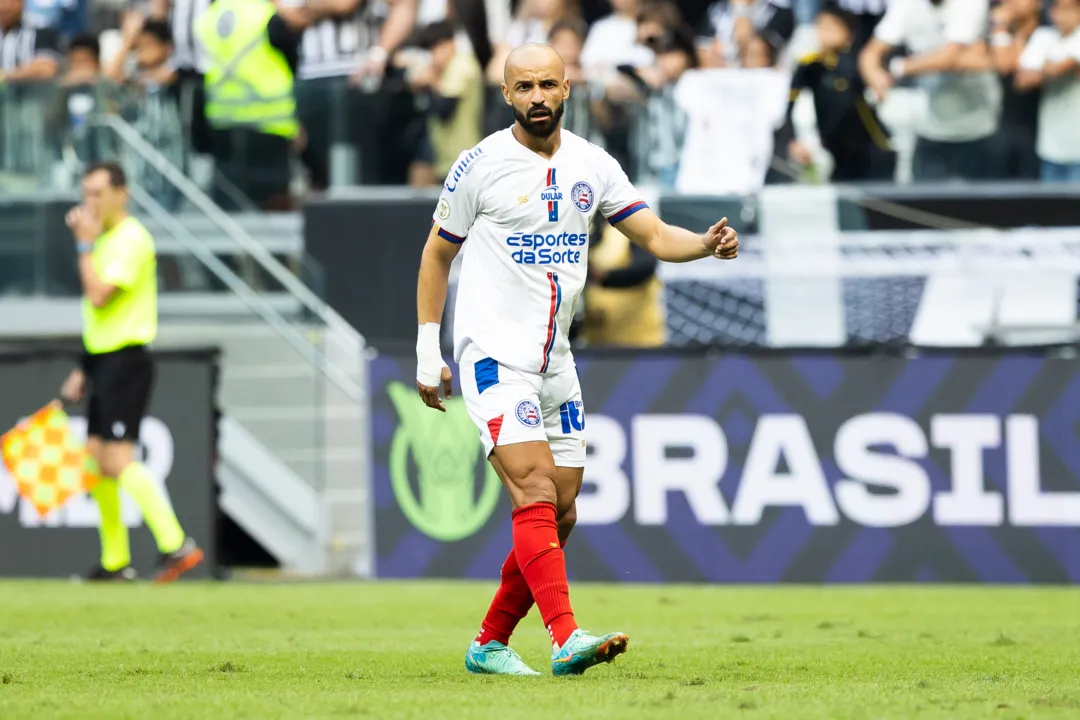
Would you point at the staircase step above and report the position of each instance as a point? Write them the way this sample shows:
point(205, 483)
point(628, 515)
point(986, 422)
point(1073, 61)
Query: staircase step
point(283, 429)
point(339, 470)
point(289, 413)
point(294, 390)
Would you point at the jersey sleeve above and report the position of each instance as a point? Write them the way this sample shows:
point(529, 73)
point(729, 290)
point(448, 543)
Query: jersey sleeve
point(892, 29)
point(1037, 49)
point(1072, 46)
point(619, 199)
point(120, 263)
point(965, 23)
point(459, 202)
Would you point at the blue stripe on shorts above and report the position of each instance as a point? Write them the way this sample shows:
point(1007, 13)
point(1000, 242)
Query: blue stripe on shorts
point(487, 374)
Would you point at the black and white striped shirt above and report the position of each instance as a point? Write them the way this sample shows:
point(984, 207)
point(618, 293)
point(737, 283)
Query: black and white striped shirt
point(333, 47)
point(864, 7)
point(186, 53)
point(775, 19)
point(20, 45)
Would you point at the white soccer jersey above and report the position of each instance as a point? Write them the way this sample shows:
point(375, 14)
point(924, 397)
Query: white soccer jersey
point(524, 222)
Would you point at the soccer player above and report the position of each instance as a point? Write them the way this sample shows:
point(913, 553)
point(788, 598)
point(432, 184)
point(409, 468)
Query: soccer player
point(118, 271)
point(519, 206)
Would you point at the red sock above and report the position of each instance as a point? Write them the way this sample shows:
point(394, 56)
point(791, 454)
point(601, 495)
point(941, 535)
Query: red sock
point(540, 557)
point(512, 602)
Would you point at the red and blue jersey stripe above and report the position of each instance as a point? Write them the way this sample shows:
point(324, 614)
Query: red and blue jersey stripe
point(627, 211)
point(553, 326)
point(447, 235)
point(553, 205)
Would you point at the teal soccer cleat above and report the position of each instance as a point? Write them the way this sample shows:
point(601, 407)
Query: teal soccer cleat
point(494, 658)
point(581, 651)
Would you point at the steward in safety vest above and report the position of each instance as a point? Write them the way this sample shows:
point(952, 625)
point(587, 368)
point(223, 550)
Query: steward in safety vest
point(251, 53)
point(248, 81)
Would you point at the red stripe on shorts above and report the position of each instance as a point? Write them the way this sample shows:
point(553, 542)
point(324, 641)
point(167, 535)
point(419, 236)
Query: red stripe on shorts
point(494, 426)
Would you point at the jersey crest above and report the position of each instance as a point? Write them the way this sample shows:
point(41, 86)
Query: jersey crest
point(582, 196)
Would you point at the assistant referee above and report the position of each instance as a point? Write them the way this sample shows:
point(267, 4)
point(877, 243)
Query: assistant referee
point(118, 271)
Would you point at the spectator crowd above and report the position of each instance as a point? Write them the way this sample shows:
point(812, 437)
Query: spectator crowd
point(390, 91)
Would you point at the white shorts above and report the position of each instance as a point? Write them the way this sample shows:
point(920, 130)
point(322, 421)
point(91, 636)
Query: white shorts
point(510, 407)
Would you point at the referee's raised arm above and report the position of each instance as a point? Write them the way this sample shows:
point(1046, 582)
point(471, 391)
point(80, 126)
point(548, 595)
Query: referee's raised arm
point(118, 273)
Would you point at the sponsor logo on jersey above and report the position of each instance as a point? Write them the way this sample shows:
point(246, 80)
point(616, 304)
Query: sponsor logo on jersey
point(551, 195)
point(528, 414)
point(463, 168)
point(547, 249)
point(572, 416)
point(582, 196)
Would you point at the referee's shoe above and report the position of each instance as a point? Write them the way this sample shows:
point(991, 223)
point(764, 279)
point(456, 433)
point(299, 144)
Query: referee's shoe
point(124, 574)
point(175, 564)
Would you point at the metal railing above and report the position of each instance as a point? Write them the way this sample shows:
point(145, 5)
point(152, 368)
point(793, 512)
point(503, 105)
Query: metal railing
point(333, 322)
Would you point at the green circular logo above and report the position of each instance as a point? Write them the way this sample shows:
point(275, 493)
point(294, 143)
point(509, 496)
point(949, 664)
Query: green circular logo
point(445, 449)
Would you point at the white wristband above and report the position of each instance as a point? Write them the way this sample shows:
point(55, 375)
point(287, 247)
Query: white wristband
point(1000, 38)
point(429, 361)
point(379, 54)
point(896, 67)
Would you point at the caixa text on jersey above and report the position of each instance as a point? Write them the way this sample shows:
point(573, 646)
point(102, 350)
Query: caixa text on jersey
point(541, 249)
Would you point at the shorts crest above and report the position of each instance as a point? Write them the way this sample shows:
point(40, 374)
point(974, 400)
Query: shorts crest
point(528, 414)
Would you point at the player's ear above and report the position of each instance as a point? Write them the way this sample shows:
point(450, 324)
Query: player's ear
point(506, 93)
point(565, 88)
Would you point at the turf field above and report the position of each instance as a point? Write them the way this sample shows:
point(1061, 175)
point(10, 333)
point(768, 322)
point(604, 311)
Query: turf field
point(395, 650)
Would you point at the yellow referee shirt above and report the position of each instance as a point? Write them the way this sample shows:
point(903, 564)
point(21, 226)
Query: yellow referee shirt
point(125, 258)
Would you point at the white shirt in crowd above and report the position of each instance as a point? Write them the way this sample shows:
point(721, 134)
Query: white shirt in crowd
point(1059, 105)
point(497, 13)
point(612, 41)
point(960, 106)
point(520, 32)
point(731, 116)
point(524, 224)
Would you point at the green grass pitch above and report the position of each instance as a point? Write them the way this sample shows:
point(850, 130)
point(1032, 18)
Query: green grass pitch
point(395, 650)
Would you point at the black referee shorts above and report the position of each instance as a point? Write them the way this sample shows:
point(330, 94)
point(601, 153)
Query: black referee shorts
point(119, 383)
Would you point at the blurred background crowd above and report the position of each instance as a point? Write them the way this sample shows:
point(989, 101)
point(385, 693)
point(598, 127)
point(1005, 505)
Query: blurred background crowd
point(388, 92)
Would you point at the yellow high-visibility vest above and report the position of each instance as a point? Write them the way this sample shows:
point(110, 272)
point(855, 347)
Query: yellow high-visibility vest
point(248, 81)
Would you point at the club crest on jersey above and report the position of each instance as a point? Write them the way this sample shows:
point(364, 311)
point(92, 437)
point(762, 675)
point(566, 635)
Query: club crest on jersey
point(551, 196)
point(528, 414)
point(582, 196)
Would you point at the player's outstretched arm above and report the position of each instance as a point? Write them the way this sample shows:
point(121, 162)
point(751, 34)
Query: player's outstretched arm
point(431, 370)
point(676, 244)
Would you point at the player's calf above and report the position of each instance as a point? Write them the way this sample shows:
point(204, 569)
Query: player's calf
point(566, 521)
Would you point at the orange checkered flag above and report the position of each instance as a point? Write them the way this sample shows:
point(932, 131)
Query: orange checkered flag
point(47, 463)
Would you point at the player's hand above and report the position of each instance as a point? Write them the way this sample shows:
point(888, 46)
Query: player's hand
point(722, 241)
point(880, 83)
point(430, 394)
point(799, 153)
point(373, 65)
point(84, 225)
point(131, 26)
point(73, 388)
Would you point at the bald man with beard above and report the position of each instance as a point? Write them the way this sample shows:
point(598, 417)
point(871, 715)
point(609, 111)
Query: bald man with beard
point(519, 206)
